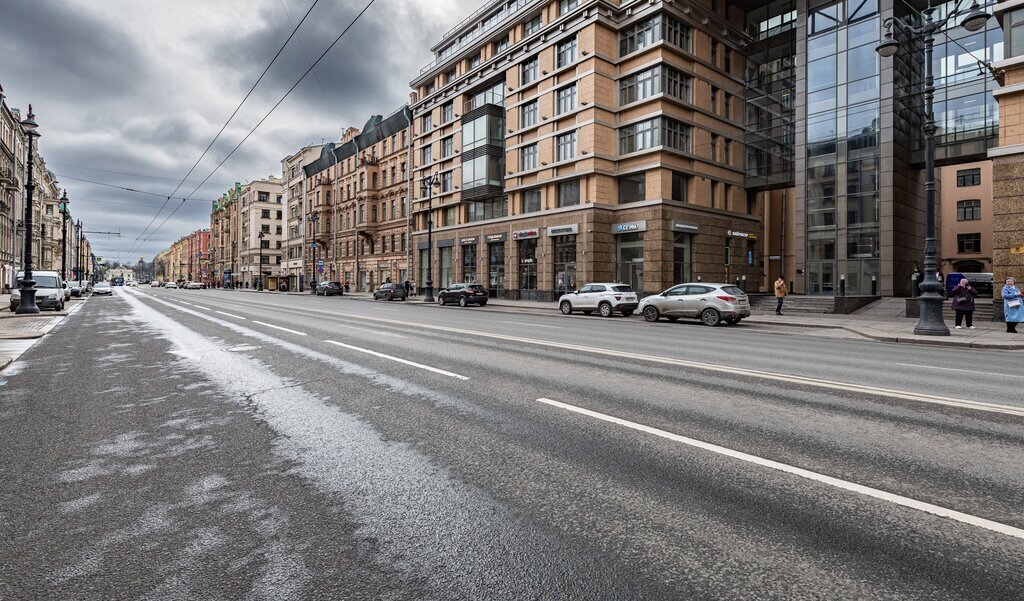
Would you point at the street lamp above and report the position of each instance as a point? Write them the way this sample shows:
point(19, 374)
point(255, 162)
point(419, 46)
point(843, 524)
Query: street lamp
point(261, 236)
point(930, 322)
point(429, 181)
point(26, 287)
point(63, 208)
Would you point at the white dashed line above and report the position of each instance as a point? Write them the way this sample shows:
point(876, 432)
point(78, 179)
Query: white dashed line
point(230, 315)
point(270, 325)
point(398, 359)
point(202, 307)
point(533, 325)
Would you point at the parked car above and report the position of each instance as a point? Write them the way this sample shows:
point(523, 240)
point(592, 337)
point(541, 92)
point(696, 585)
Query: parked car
point(328, 289)
point(171, 285)
point(463, 294)
point(605, 298)
point(389, 292)
point(708, 302)
point(155, 284)
point(50, 291)
point(132, 284)
point(193, 286)
point(102, 288)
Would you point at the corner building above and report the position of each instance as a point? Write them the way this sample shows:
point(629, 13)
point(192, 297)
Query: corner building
point(584, 141)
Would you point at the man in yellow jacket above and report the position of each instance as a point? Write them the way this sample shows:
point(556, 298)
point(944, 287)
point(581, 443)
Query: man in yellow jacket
point(780, 294)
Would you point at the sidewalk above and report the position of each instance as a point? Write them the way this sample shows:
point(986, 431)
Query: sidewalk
point(986, 335)
point(19, 332)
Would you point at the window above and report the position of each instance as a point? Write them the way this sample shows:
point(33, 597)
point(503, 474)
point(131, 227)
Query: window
point(647, 33)
point(447, 112)
point(265, 214)
point(428, 155)
point(968, 210)
point(528, 157)
point(279, 214)
point(714, 100)
point(531, 201)
point(532, 26)
point(264, 196)
point(566, 52)
point(429, 88)
point(680, 184)
point(474, 61)
point(968, 177)
point(427, 122)
point(446, 181)
point(265, 229)
point(631, 188)
point(278, 200)
point(449, 76)
point(639, 136)
point(565, 146)
point(968, 243)
point(482, 171)
point(501, 44)
point(528, 114)
point(447, 147)
point(484, 130)
point(487, 209)
point(640, 85)
point(528, 71)
point(449, 215)
point(566, 99)
point(565, 6)
point(569, 193)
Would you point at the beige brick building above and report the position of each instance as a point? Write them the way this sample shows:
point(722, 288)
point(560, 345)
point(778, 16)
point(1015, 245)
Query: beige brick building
point(293, 180)
point(261, 232)
point(966, 218)
point(582, 141)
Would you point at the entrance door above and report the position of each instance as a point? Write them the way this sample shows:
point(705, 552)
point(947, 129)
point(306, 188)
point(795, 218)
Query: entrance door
point(528, 282)
point(636, 276)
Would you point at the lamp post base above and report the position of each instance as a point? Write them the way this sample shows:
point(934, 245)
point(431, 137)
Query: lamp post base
point(27, 305)
point(930, 322)
point(428, 293)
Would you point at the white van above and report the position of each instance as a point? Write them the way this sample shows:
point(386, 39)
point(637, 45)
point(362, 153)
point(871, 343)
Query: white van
point(50, 290)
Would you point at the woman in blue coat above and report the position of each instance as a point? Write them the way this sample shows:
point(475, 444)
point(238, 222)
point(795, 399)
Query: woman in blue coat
point(1013, 305)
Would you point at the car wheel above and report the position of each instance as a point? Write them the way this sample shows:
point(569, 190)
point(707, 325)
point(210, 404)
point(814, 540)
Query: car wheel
point(605, 309)
point(440, 300)
point(462, 301)
point(711, 317)
point(565, 308)
point(651, 313)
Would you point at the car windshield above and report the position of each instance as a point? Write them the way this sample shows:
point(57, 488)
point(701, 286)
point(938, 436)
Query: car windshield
point(103, 285)
point(733, 290)
point(622, 288)
point(45, 281)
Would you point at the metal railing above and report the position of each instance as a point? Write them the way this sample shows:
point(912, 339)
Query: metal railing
point(508, 8)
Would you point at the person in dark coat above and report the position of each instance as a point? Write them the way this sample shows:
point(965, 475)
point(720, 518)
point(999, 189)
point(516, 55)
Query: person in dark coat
point(963, 303)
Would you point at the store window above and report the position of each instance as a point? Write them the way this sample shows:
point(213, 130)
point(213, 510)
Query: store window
point(469, 263)
point(496, 269)
point(528, 269)
point(629, 259)
point(564, 253)
point(682, 258)
point(445, 270)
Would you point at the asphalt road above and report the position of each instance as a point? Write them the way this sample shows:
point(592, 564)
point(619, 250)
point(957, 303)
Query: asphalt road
point(171, 444)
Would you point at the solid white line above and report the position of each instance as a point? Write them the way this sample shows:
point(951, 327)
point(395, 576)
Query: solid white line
point(533, 325)
point(966, 371)
point(201, 307)
point(398, 359)
point(270, 325)
point(815, 476)
point(229, 315)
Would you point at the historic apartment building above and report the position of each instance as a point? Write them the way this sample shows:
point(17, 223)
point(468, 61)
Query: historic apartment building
point(293, 179)
point(357, 215)
point(261, 232)
point(224, 238)
point(187, 260)
point(966, 218)
point(653, 142)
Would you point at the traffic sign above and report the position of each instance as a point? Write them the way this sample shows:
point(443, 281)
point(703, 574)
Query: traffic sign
point(320, 263)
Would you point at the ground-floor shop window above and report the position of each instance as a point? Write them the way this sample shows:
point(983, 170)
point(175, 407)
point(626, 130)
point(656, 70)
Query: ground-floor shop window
point(565, 264)
point(528, 269)
point(629, 260)
point(446, 266)
point(496, 268)
point(469, 263)
point(682, 258)
point(424, 262)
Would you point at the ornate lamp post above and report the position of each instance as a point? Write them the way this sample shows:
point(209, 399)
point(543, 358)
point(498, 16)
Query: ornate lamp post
point(930, 322)
point(63, 208)
point(260, 284)
point(26, 287)
point(429, 182)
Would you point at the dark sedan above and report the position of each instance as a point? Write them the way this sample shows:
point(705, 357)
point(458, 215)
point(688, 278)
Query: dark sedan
point(328, 289)
point(463, 294)
point(389, 291)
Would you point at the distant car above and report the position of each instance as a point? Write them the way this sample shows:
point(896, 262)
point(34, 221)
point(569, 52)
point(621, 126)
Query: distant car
point(711, 303)
point(463, 294)
point(328, 289)
point(389, 292)
point(50, 290)
point(194, 286)
point(171, 285)
point(132, 284)
point(605, 298)
point(102, 288)
point(154, 284)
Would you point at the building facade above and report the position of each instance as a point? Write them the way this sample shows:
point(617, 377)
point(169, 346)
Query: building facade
point(357, 195)
point(293, 179)
point(224, 238)
point(966, 218)
point(261, 233)
point(187, 260)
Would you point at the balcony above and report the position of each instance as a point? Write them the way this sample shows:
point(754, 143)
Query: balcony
point(502, 11)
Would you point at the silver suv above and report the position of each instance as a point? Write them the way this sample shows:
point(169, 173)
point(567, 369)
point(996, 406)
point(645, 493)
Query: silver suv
point(710, 303)
point(601, 297)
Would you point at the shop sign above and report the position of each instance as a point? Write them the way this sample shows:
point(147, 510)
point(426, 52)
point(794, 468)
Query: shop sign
point(774, 257)
point(467, 241)
point(496, 237)
point(684, 226)
point(525, 234)
point(631, 226)
point(737, 234)
point(563, 230)
point(382, 265)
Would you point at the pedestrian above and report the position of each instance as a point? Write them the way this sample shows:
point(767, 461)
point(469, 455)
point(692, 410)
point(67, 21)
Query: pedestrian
point(963, 303)
point(780, 294)
point(346, 285)
point(1013, 311)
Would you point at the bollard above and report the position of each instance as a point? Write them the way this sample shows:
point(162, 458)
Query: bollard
point(874, 286)
point(915, 286)
point(744, 286)
point(842, 285)
point(698, 278)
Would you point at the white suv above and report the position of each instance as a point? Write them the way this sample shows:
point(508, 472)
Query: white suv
point(602, 297)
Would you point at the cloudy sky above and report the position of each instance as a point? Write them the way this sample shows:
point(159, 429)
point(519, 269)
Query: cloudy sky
point(130, 92)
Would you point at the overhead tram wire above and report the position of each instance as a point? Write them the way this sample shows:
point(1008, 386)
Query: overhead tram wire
point(169, 179)
point(226, 123)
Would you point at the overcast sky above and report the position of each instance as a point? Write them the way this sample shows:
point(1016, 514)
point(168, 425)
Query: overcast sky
point(140, 87)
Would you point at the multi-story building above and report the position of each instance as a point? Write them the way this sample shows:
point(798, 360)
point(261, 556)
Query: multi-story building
point(292, 182)
point(357, 197)
point(261, 232)
point(12, 186)
point(966, 218)
point(224, 238)
point(187, 260)
point(654, 142)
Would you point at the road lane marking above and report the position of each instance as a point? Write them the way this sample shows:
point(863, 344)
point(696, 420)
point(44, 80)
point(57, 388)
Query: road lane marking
point(202, 307)
point(533, 325)
point(714, 367)
point(968, 371)
point(398, 359)
point(374, 332)
point(270, 325)
point(797, 471)
point(229, 315)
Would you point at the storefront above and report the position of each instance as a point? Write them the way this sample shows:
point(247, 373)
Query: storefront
point(526, 249)
point(469, 267)
point(563, 252)
point(682, 250)
point(629, 253)
point(740, 256)
point(446, 263)
point(496, 265)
